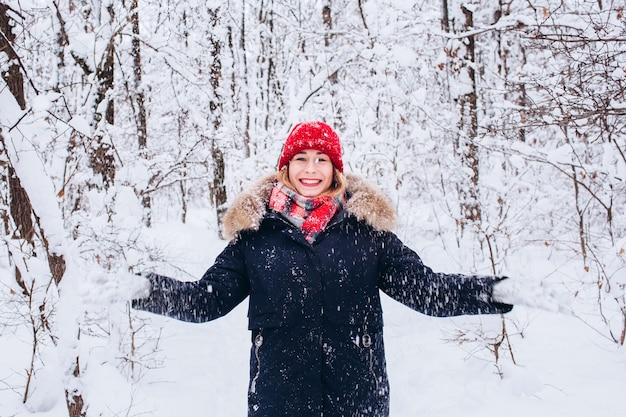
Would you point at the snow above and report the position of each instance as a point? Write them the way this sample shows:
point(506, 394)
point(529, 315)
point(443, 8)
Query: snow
point(562, 366)
point(619, 73)
point(560, 361)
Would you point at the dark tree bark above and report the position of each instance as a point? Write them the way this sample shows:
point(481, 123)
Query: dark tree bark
point(22, 214)
point(13, 77)
point(462, 68)
point(27, 228)
point(218, 187)
point(142, 125)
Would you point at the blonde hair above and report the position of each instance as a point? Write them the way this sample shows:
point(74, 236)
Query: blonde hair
point(337, 188)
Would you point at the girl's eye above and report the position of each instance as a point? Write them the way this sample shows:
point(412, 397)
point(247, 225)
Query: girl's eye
point(304, 159)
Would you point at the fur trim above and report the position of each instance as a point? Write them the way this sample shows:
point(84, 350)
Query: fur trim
point(247, 210)
point(366, 202)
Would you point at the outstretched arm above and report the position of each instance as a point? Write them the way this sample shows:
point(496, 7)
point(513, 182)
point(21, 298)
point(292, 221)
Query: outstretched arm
point(221, 288)
point(405, 278)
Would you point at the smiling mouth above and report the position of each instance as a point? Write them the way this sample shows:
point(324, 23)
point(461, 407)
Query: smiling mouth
point(310, 182)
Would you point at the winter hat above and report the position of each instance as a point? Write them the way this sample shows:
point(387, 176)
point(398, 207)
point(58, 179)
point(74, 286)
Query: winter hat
point(312, 135)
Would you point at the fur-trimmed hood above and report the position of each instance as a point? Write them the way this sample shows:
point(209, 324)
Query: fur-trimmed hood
point(365, 201)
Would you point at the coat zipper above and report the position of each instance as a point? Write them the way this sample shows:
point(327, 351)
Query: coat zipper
point(366, 342)
point(258, 342)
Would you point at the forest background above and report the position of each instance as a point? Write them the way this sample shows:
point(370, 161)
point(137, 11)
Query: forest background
point(497, 128)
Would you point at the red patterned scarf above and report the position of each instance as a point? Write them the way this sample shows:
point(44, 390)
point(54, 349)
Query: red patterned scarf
point(315, 211)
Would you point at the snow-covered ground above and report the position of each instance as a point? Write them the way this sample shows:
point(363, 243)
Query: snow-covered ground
point(563, 366)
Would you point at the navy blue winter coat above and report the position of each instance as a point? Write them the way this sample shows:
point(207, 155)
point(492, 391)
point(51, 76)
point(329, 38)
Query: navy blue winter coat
point(314, 309)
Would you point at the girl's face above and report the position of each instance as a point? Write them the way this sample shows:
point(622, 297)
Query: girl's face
point(311, 172)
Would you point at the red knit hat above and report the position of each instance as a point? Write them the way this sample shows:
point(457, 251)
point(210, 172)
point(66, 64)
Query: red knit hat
point(312, 135)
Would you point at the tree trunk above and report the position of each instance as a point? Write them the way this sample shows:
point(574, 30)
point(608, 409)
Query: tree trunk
point(74, 401)
point(218, 187)
point(515, 92)
point(140, 103)
point(142, 125)
point(27, 228)
point(247, 142)
point(462, 70)
point(215, 70)
point(13, 76)
point(468, 127)
point(24, 217)
point(269, 84)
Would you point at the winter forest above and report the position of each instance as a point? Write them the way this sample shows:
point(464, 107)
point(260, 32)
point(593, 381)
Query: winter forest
point(496, 128)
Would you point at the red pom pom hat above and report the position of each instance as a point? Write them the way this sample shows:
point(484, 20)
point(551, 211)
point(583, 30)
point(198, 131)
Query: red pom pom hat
point(312, 135)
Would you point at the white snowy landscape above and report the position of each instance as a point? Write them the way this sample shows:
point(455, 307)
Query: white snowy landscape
point(563, 366)
point(498, 131)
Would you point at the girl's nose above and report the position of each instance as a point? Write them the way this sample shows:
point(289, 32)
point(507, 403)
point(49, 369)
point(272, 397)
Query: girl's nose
point(311, 165)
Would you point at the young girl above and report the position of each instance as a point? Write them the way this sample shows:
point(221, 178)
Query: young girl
point(312, 248)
